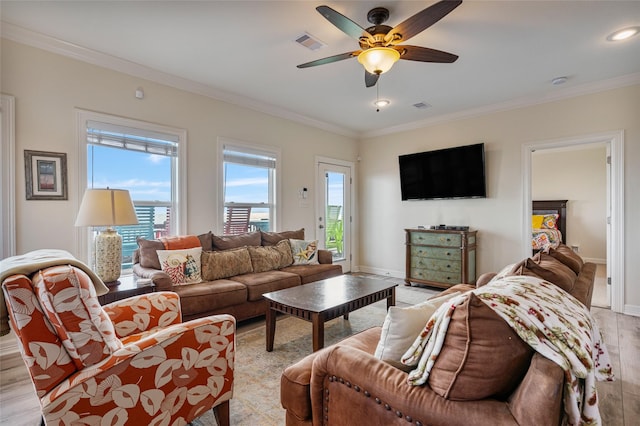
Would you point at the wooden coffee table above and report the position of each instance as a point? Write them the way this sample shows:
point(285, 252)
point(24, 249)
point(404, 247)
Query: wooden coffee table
point(325, 300)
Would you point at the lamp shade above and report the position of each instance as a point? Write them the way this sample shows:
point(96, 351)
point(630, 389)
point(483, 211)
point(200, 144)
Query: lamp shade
point(378, 60)
point(106, 207)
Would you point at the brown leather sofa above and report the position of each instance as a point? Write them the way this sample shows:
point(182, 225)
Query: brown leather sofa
point(345, 384)
point(239, 295)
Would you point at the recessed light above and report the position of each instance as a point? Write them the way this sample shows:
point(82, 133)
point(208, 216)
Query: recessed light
point(381, 103)
point(623, 34)
point(559, 80)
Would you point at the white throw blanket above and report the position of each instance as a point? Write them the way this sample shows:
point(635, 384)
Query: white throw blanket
point(551, 321)
point(33, 261)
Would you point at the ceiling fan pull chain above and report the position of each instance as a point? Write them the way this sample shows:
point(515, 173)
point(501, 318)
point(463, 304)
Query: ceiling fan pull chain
point(378, 96)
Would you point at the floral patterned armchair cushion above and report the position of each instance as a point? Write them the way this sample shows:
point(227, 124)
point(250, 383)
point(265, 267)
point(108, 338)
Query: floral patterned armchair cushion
point(157, 370)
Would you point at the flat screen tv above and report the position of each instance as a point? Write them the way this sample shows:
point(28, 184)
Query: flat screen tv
point(445, 173)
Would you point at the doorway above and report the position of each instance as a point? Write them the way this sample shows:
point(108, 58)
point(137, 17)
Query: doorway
point(614, 142)
point(333, 211)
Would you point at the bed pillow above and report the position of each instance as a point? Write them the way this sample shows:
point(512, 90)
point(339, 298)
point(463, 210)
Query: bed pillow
point(304, 252)
point(550, 221)
point(536, 221)
point(183, 266)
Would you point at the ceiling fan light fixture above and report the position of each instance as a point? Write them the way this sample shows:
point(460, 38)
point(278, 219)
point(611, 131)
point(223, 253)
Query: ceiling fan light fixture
point(378, 60)
point(623, 34)
point(381, 103)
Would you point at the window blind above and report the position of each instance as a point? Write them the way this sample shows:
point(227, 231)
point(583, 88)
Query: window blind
point(249, 157)
point(123, 137)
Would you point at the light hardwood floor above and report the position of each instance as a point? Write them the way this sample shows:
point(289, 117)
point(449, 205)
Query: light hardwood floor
point(619, 400)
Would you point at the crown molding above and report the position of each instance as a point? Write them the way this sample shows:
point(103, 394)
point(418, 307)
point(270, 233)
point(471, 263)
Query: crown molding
point(51, 44)
point(525, 101)
point(41, 41)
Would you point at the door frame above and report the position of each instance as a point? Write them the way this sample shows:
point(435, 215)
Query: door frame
point(7, 177)
point(615, 192)
point(347, 215)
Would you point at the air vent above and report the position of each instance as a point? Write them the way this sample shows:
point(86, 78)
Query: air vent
point(310, 42)
point(422, 105)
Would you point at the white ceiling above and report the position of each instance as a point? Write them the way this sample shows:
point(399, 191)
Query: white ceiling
point(243, 52)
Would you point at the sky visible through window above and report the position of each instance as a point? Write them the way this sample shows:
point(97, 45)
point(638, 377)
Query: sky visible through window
point(148, 177)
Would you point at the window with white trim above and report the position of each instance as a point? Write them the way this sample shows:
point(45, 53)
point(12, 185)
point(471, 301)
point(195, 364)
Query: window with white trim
point(137, 157)
point(248, 188)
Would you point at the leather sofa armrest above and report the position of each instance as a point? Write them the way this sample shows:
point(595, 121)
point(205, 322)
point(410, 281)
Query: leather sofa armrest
point(160, 279)
point(353, 386)
point(538, 398)
point(325, 257)
point(485, 278)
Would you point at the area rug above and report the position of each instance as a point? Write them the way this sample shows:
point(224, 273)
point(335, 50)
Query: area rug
point(256, 399)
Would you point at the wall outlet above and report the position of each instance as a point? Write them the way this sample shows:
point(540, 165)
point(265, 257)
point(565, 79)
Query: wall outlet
point(575, 248)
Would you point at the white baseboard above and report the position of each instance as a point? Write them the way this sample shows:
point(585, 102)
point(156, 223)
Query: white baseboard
point(633, 310)
point(383, 272)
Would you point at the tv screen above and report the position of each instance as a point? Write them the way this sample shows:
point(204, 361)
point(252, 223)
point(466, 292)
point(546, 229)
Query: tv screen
point(445, 173)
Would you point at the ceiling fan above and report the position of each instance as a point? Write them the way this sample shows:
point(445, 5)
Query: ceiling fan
point(379, 44)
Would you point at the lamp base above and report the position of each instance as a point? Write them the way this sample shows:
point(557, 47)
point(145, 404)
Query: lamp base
point(108, 255)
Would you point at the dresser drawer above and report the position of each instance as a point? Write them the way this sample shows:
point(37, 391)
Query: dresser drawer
point(438, 276)
point(436, 252)
point(436, 264)
point(436, 239)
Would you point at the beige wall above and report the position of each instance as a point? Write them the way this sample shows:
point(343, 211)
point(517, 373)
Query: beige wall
point(499, 217)
point(47, 89)
point(580, 176)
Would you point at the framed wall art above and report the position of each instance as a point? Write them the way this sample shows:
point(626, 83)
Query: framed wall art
point(45, 175)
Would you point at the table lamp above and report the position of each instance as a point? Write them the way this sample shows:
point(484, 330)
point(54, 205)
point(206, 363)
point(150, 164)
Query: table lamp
point(107, 207)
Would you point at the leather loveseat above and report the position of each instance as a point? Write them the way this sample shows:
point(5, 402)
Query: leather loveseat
point(345, 384)
point(236, 271)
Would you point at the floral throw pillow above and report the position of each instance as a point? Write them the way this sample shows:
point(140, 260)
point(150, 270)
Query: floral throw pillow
point(183, 266)
point(304, 252)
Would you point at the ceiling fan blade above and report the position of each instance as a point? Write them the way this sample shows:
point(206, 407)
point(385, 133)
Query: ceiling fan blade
point(424, 54)
point(343, 23)
point(330, 59)
point(421, 21)
point(370, 80)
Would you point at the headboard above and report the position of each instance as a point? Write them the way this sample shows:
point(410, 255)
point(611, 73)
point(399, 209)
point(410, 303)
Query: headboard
point(558, 207)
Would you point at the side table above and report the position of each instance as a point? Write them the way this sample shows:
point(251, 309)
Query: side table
point(128, 286)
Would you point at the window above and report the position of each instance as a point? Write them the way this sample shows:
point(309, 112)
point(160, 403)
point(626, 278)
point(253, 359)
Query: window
point(136, 156)
point(248, 188)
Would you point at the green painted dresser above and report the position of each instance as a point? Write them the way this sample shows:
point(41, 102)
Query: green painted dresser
point(440, 258)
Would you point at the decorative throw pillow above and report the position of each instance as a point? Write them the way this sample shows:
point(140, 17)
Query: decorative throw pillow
point(148, 252)
point(272, 238)
point(565, 255)
point(481, 356)
point(228, 242)
point(304, 252)
point(225, 263)
point(180, 242)
point(271, 257)
point(401, 327)
point(549, 269)
point(183, 266)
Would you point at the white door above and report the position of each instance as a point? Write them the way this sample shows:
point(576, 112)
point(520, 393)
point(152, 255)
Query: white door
point(333, 214)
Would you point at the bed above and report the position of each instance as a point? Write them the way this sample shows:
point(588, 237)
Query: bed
point(549, 224)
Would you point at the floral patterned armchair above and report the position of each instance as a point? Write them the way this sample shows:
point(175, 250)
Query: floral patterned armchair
point(129, 362)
